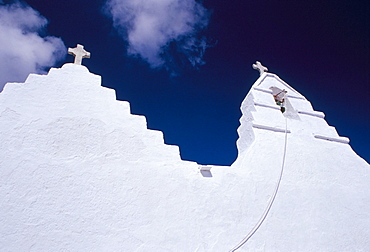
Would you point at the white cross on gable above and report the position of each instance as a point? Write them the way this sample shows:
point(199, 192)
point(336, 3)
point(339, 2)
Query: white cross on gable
point(79, 53)
point(258, 66)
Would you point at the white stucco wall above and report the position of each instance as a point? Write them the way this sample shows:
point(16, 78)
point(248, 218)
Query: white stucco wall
point(78, 172)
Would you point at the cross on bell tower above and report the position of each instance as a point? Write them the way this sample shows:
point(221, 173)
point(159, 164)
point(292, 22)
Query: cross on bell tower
point(79, 53)
point(258, 66)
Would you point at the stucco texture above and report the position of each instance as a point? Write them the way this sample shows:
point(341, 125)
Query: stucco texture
point(79, 172)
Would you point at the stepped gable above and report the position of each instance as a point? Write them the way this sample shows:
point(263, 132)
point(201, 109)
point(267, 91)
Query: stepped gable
point(260, 111)
point(79, 172)
point(320, 183)
point(72, 98)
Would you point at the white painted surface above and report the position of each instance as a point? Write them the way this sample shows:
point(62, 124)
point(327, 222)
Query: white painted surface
point(79, 52)
point(80, 173)
point(258, 66)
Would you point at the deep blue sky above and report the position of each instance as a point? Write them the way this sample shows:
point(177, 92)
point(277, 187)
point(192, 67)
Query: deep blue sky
point(321, 48)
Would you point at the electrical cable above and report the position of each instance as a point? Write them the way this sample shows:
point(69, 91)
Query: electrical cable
point(263, 217)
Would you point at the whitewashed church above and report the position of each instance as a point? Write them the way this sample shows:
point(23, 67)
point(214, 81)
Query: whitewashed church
point(79, 172)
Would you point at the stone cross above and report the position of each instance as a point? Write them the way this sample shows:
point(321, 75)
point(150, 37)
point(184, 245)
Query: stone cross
point(79, 53)
point(258, 66)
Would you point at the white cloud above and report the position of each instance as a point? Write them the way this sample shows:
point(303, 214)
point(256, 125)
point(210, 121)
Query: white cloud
point(157, 30)
point(22, 49)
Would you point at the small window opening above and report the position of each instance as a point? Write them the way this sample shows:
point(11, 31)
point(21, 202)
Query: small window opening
point(279, 96)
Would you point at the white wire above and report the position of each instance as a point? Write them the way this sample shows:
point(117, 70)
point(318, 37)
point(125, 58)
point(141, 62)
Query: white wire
point(263, 217)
